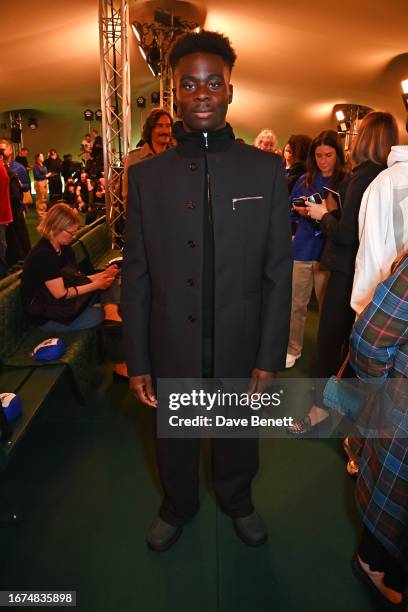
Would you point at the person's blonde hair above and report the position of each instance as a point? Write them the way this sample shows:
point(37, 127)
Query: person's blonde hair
point(378, 132)
point(266, 133)
point(58, 218)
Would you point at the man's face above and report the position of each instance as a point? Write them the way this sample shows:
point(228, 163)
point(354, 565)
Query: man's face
point(161, 133)
point(8, 150)
point(23, 152)
point(203, 91)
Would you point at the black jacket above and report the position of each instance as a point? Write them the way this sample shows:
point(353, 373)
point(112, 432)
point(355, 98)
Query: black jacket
point(295, 172)
point(162, 282)
point(341, 231)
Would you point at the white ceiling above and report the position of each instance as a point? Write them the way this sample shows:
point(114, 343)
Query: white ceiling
point(296, 59)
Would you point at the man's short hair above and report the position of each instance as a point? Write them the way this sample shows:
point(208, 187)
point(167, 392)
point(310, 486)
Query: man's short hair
point(202, 42)
point(151, 122)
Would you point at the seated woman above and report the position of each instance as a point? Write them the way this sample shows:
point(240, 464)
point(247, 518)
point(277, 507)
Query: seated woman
point(45, 267)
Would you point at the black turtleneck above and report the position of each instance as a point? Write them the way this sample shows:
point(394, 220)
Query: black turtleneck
point(199, 144)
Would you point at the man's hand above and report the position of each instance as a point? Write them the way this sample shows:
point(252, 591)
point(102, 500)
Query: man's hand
point(142, 389)
point(261, 380)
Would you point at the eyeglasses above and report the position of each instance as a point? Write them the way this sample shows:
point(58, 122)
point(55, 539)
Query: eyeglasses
point(72, 234)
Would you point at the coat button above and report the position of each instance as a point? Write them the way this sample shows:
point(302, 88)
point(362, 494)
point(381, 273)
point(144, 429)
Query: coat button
point(193, 166)
point(190, 204)
point(191, 319)
point(191, 244)
point(190, 282)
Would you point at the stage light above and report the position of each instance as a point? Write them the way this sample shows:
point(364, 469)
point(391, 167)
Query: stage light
point(137, 30)
point(98, 115)
point(343, 126)
point(340, 116)
point(404, 85)
point(141, 102)
point(142, 53)
point(32, 123)
point(153, 54)
point(155, 97)
point(88, 115)
point(153, 70)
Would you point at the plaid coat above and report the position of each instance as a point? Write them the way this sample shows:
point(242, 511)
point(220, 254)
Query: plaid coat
point(379, 354)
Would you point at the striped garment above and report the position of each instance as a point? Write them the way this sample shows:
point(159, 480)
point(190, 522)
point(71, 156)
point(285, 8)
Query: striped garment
point(379, 354)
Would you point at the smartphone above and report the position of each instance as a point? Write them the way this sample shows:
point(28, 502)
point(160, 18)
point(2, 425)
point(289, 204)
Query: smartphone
point(315, 198)
point(336, 196)
point(299, 202)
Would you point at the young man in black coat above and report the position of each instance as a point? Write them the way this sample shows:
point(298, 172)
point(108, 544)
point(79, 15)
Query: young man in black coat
point(206, 278)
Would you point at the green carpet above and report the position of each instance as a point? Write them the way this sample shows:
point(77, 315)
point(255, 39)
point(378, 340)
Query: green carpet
point(85, 484)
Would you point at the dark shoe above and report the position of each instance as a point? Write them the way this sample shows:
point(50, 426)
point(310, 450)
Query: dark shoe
point(162, 536)
point(251, 529)
point(304, 427)
point(365, 578)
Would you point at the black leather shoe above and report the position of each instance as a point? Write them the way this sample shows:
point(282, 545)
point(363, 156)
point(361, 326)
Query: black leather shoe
point(162, 536)
point(304, 427)
point(251, 529)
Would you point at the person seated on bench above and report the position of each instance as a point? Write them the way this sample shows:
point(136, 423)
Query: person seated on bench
point(51, 280)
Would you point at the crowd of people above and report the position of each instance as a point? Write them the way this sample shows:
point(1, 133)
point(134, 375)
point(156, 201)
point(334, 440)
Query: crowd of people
point(349, 221)
point(81, 185)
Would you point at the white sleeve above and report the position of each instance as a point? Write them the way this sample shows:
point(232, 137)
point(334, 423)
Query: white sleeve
point(377, 250)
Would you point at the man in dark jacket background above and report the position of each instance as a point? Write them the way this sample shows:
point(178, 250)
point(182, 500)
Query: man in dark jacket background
point(206, 278)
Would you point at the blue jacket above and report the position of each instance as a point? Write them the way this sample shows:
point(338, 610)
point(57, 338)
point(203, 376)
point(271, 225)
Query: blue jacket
point(308, 241)
point(39, 172)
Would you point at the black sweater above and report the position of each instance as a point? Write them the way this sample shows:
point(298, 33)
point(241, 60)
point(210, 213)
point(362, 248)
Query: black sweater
point(341, 231)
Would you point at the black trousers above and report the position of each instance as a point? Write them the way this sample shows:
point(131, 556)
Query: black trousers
point(372, 552)
point(336, 320)
point(234, 464)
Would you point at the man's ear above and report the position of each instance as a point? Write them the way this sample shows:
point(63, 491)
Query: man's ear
point(231, 92)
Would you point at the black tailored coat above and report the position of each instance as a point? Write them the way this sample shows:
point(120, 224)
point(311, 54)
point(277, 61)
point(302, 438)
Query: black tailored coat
point(163, 266)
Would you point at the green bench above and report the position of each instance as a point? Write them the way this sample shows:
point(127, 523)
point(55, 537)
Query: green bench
point(19, 373)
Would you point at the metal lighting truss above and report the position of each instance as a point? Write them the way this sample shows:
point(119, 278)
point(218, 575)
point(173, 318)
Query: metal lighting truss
point(115, 105)
point(155, 40)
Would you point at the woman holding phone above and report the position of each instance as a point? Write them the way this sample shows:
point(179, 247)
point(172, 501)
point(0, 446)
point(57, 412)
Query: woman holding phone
point(325, 168)
point(378, 132)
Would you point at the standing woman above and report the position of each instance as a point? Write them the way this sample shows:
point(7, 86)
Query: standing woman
point(294, 158)
point(325, 168)
point(379, 354)
point(54, 167)
point(41, 174)
point(267, 141)
point(377, 134)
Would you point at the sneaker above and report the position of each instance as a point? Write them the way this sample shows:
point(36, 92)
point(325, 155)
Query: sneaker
point(291, 360)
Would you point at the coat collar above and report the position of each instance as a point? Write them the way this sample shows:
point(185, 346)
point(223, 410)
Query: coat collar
point(196, 144)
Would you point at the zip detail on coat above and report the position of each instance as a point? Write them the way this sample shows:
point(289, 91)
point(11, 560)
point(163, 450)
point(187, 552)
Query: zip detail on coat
point(205, 139)
point(235, 200)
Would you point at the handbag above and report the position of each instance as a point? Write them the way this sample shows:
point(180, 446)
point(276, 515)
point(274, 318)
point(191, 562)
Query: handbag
point(344, 397)
point(61, 310)
point(27, 199)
